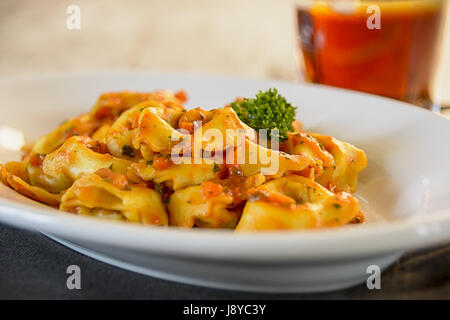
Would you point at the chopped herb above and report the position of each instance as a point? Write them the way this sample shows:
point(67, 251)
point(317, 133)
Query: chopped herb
point(111, 166)
point(149, 162)
point(127, 188)
point(127, 151)
point(358, 220)
point(337, 205)
point(158, 187)
point(216, 168)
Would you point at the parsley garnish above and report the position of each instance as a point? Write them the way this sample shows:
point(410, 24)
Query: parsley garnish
point(268, 110)
point(127, 151)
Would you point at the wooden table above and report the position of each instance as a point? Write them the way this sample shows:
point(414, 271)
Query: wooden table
point(249, 38)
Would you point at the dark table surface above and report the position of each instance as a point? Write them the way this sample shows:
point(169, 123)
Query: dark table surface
point(33, 266)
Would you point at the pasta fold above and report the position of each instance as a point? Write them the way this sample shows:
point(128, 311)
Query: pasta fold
point(296, 202)
point(76, 156)
point(92, 193)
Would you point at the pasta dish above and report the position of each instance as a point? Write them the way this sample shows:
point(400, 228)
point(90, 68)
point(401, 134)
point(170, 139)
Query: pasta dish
point(144, 158)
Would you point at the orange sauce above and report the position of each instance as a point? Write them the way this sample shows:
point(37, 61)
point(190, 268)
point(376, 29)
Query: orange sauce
point(396, 60)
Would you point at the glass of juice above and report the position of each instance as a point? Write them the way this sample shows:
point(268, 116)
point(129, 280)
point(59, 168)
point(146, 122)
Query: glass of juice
point(387, 48)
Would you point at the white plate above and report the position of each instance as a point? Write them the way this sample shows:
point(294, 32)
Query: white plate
point(405, 189)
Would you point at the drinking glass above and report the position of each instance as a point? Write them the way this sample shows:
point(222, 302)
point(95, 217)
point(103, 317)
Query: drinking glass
point(387, 48)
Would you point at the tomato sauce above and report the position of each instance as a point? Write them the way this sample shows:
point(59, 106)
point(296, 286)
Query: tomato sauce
point(396, 60)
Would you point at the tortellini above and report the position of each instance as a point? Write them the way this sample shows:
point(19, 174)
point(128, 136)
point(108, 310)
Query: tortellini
point(177, 176)
point(348, 163)
point(296, 202)
point(83, 125)
point(126, 130)
point(155, 131)
point(212, 204)
point(76, 156)
point(20, 185)
point(188, 207)
point(111, 105)
point(92, 193)
point(218, 132)
point(340, 160)
point(142, 158)
point(258, 159)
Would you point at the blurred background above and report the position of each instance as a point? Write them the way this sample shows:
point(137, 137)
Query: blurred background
point(248, 38)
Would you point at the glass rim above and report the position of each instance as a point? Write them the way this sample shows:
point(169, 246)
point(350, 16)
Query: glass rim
point(365, 2)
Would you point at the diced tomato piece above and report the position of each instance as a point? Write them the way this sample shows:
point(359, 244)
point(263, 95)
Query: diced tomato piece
point(211, 189)
point(188, 126)
point(104, 112)
point(162, 163)
point(36, 160)
point(119, 180)
point(181, 95)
